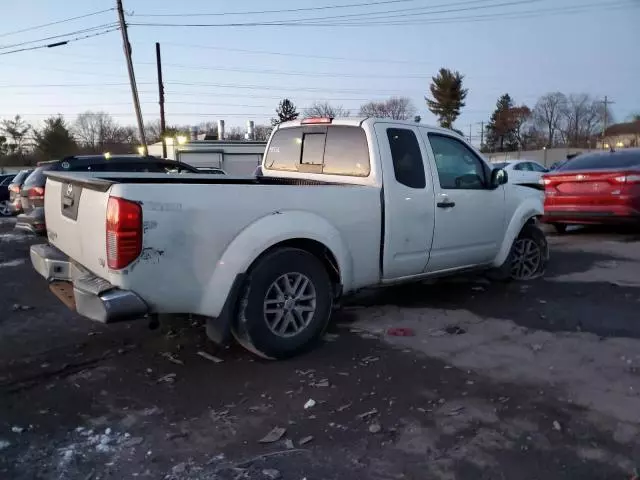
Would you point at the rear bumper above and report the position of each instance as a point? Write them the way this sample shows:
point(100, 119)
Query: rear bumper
point(599, 214)
point(32, 222)
point(91, 296)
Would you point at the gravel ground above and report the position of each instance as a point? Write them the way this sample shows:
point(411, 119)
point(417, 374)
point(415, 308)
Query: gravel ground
point(498, 381)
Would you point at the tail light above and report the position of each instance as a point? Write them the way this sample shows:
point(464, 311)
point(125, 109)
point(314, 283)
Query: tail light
point(628, 178)
point(316, 121)
point(124, 232)
point(36, 193)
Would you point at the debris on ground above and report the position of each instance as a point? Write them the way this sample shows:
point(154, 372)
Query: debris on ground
point(168, 378)
point(321, 383)
point(4, 444)
point(375, 428)
point(305, 440)
point(17, 307)
point(210, 357)
point(274, 435)
point(271, 473)
point(556, 425)
point(401, 332)
point(478, 289)
point(310, 404)
point(365, 415)
point(343, 407)
point(455, 330)
point(455, 411)
point(536, 347)
point(17, 429)
point(172, 358)
point(288, 444)
point(331, 337)
point(369, 359)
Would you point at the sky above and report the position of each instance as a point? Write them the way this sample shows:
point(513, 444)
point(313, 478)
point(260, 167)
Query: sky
point(370, 51)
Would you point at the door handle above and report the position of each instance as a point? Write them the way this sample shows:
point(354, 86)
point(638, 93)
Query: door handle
point(446, 203)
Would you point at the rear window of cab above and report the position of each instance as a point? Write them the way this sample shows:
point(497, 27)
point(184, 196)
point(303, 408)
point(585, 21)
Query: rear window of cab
point(331, 150)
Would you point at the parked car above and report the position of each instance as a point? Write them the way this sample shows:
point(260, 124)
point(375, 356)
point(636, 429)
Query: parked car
point(5, 203)
point(33, 188)
point(594, 188)
point(341, 205)
point(15, 203)
point(524, 172)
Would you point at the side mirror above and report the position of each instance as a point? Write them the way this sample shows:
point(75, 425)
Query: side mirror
point(498, 177)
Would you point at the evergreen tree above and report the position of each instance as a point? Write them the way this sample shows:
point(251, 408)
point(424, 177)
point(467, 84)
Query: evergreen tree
point(54, 140)
point(501, 129)
point(448, 96)
point(286, 111)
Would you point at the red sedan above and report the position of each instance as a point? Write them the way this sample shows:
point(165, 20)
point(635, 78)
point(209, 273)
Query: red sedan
point(594, 188)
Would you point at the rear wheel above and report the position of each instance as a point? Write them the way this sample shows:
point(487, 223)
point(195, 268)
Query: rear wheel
point(285, 305)
point(5, 208)
point(560, 227)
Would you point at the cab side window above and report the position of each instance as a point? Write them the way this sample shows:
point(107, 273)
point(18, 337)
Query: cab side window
point(408, 166)
point(459, 168)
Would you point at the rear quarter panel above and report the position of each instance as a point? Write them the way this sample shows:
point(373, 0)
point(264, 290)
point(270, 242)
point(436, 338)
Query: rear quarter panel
point(193, 231)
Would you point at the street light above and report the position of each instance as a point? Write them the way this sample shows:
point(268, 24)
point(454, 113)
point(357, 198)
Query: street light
point(174, 141)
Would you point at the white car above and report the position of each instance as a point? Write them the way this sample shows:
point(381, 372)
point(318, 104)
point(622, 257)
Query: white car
point(340, 205)
point(523, 172)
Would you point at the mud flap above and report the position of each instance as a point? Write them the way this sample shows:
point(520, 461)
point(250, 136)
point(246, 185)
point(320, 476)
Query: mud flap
point(219, 328)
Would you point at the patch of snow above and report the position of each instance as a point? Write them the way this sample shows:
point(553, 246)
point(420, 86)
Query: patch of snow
point(12, 263)
point(4, 444)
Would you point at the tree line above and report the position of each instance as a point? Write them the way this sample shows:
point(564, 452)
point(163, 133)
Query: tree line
point(573, 120)
point(556, 119)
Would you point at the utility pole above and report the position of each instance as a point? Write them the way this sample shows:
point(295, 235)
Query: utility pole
point(606, 117)
point(132, 78)
point(481, 134)
point(470, 126)
point(163, 125)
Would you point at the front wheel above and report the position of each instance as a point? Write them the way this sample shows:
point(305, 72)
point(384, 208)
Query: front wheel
point(285, 305)
point(527, 259)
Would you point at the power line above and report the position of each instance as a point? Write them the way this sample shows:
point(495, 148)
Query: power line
point(264, 12)
point(53, 37)
point(475, 18)
point(64, 42)
point(57, 22)
point(370, 22)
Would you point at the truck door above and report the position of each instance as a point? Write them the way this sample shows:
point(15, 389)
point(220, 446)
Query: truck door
point(408, 200)
point(469, 215)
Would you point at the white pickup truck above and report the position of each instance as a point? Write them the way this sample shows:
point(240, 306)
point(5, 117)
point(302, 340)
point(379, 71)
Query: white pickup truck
point(340, 205)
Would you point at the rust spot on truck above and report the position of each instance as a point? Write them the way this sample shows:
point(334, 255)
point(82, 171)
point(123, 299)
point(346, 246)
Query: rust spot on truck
point(149, 225)
point(151, 255)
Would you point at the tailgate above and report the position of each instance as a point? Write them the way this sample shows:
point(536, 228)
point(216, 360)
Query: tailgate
point(75, 214)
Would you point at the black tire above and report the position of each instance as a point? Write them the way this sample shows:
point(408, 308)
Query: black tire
point(559, 227)
point(251, 328)
point(505, 272)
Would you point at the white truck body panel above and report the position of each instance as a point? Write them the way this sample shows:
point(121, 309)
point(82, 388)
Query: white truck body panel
point(200, 235)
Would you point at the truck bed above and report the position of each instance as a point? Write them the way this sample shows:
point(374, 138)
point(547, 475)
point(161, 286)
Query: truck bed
point(191, 221)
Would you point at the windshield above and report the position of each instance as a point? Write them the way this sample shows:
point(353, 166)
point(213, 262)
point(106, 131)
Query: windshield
point(603, 161)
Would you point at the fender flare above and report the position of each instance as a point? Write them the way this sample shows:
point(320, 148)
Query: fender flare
point(261, 235)
point(528, 209)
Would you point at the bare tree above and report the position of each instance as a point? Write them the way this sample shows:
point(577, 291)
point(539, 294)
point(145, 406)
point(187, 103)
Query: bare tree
point(262, 132)
point(583, 120)
point(548, 113)
point(235, 133)
point(397, 108)
point(325, 109)
point(95, 130)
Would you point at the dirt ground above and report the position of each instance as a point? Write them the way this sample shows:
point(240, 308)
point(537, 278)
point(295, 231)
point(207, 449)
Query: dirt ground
point(498, 381)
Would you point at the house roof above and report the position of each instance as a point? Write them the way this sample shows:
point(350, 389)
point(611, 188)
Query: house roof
point(629, 128)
